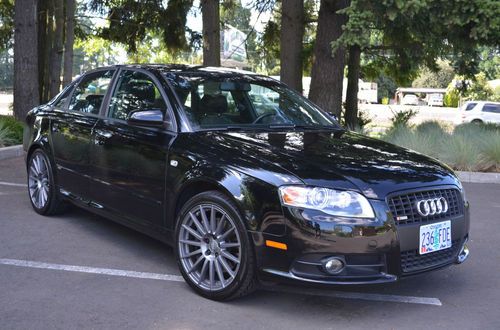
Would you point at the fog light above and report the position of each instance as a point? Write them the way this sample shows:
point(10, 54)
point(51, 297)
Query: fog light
point(333, 265)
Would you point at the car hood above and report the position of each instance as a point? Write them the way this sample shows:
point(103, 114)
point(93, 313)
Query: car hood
point(344, 160)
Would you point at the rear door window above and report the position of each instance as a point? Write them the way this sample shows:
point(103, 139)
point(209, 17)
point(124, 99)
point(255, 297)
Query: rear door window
point(470, 106)
point(90, 92)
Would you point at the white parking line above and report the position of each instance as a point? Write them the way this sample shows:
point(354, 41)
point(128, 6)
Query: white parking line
point(91, 270)
point(12, 184)
point(177, 278)
point(361, 296)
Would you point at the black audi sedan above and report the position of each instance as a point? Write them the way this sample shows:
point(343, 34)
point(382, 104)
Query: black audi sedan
point(244, 177)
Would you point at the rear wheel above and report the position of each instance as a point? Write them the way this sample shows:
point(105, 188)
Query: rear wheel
point(477, 121)
point(213, 249)
point(42, 191)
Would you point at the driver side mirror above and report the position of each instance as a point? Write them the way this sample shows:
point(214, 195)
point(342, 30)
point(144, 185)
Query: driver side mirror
point(149, 117)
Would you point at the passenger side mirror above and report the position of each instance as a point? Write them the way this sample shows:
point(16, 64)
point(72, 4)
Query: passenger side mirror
point(149, 117)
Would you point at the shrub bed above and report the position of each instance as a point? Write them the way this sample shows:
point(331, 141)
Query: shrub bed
point(467, 147)
point(11, 131)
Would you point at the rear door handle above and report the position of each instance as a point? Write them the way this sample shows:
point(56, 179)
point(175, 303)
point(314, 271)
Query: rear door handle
point(102, 136)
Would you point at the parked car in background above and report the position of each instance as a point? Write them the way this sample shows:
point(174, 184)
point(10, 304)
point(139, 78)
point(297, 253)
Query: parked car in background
point(481, 112)
point(435, 100)
point(410, 99)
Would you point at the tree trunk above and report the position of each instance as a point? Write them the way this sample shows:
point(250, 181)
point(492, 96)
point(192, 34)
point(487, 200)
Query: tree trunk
point(43, 47)
point(292, 33)
point(26, 94)
point(351, 101)
point(211, 32)
point(327, 72)
point(56, 52)
point(69, 40)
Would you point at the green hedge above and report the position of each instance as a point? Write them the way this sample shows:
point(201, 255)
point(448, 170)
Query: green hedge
point(11, 131)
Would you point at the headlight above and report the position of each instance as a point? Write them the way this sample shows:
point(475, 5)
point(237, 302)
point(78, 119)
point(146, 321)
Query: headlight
point(334, 202)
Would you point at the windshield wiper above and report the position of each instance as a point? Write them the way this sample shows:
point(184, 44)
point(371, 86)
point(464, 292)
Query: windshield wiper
point(226, 128)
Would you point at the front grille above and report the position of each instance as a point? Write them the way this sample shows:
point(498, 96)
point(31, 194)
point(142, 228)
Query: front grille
point(411, 261)
point(404, 207)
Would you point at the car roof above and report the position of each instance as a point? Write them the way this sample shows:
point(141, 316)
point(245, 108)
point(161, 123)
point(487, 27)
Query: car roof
point(180, 68)
point(191, 70)
point(482, 102)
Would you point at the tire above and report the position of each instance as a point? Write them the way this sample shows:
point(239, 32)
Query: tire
point(211, 241)
point(477, 121)
point(42, 191)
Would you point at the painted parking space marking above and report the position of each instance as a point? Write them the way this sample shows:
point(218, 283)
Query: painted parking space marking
point(91, 270)
point(177, 278)
point(361, 296)
point(11, 184)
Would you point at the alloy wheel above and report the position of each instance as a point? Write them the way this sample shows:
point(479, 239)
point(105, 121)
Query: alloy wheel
point(39, 181)
point(209, 247)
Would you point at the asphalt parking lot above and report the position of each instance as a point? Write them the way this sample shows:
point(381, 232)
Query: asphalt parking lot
point(82, 271)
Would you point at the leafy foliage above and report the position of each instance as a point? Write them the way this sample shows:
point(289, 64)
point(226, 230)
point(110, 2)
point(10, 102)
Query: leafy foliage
point(386, 87)
point(6, 24)
point(11, 131)
point(131, 21)
point(490, 62)
point(362, 121)
point(402, 118)
point(475, 89)
point(435, 79)
point(398, 37)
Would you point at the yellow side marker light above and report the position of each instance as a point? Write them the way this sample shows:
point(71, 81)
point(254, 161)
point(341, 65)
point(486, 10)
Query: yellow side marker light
point(277, 245)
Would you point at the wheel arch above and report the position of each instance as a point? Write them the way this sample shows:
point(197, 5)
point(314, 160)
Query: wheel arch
point(254, 198)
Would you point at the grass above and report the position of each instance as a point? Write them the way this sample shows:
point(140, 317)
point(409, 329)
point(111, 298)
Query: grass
point(467, 147)
point(11, 131)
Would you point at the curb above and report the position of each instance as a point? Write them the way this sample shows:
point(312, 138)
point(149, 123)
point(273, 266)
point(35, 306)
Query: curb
point(478, 177)
point(11, 152)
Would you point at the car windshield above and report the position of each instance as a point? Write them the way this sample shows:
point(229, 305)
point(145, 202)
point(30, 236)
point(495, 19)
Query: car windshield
point(212, 102)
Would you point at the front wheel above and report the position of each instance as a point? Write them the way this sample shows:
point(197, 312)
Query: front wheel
point(213, 249)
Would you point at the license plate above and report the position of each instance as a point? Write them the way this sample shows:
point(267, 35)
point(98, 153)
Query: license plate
point(435, 237)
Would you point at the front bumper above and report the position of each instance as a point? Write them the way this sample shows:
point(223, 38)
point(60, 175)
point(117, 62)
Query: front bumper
point(378, 252)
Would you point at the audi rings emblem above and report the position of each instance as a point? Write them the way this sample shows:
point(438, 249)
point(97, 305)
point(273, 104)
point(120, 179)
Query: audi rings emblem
point(433, 206)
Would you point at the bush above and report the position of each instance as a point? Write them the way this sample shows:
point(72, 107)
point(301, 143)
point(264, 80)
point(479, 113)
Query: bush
point(402, 118)
point(433, 127)
point(400, 121)
point(424, 138)
point(362, 121)
point(451, 98)
point(490, 153)
point(461, 153)
point(470, 147)
point(12, 130)
point(5, 135)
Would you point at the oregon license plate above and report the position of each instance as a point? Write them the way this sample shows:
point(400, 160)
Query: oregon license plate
point(435, 237)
